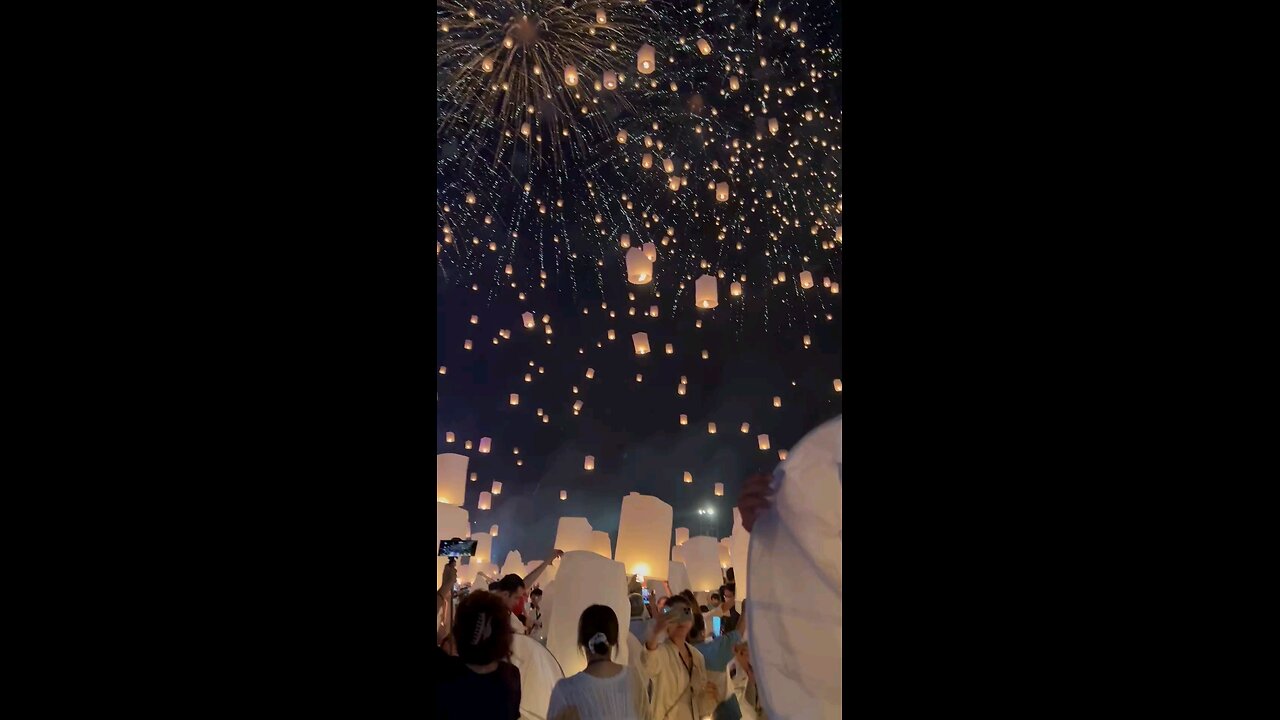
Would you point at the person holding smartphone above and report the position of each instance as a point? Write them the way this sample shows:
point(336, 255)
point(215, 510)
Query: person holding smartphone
point(681, 689)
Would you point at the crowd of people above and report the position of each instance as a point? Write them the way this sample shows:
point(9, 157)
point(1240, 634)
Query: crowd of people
point(694, 659)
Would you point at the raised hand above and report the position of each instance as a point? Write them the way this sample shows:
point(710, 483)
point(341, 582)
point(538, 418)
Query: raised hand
point(754, 499)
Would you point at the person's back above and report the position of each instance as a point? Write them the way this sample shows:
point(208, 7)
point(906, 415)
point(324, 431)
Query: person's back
point(605, 690)
point(479, 682)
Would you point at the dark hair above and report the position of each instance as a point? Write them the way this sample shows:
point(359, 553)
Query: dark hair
point(537, 592)
point(637, 605)
point(679, 599)
point(699, 629)
point(715, 596)
point(702, 608)
point(688, 595)
point(493, 586)
point(730, 588)
point(510, 583)
point(598, 619)
point(478, 610)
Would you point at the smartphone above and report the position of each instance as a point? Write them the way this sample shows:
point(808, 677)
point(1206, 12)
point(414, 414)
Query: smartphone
point(644, 592)
point(458, 548)
point(681, 610)
point(715, 626)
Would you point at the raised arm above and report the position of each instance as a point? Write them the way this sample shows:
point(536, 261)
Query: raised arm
point(533, 576)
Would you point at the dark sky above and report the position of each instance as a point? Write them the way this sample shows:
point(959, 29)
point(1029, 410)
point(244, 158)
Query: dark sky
point(631, 428)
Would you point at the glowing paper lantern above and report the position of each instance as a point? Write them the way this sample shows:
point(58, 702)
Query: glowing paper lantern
point(764, 441)
point(528, 319)
point(773, 126)
point(838, 234)
point(589, 463)
point(570, 75)
point(668, 165)
point(670, 348)
point(493, 531)
point(673, 183)
point(639, 267)
point(612, 335)
point(451, 478)
point(735, 290)
point(497, 488)
point(777, 401)
point(486, 64)
point(515, 399)
point(641, 342)
point(733, 82)
point(782, 454)
point(622, 136)
point(705, 292)
point(591, 372)
point(513, 565)
point(746, 428)
point(524, 129)
point(573, 533)
point(684, 419)
point(704, 47)
point(485, 444)
point(448, 437)
point(722, 192)
point(806, 279)
point(679, 580)
point(688, 476)
point(600, 544)
point(724, 554)
point(677, 554)
point(466, 345)
point(625, 241)
point(577, 406)
point(484, 547)
point(719, 489)
point(645, 59)
point(702, 560)
point(682, 534)
point(486, 501)
point(711, 428)
point(650, 251)
point(646, 161)
point(564, 495)
point(838, 385)
point(583, 579)
point(644, 529)
point(610, 80)
point(807, 341)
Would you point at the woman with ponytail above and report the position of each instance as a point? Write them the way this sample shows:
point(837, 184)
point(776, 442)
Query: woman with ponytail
point(605, 690)
point(479, 681)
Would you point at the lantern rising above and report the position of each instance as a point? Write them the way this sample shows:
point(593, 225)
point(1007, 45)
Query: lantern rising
point(705, 292)
point(645, 59)
point(641, 342)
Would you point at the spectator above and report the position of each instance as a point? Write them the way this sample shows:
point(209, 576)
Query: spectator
point(479, 682)
point(605, 690)
point(681, 690)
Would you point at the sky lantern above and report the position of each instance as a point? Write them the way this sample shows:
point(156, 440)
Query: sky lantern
point(448, 437)
point(746, 428)
point(733, 82)
point(451, 478)
point(682, 535)
point(838, 385)
point(702, 560)
point(525, 129)
point(624, 240)
point(497, 488)
point(583, 579)
point(735, 289)
point(782, 276)
point(600, 544)
point(493, 531)
point(577, 407)
point(773, 126)
point(612, 335)
point(835, 288)
point(484, 547)
point(670, 348)
point(515, 398)
point(839, 230)
point(764, 441)
point(704, 47)
point(705, 355)
point(807, 341)
point(610, 80)
point(668, 165)
point(806, 279)
point(673, 183)
point(719, 489)
point(777, 401)
point(466, 445)
point(622, 136)
point(782, 454)
point(570, 75)
point(486, 501)
point(589, 463)
point(644, 531)
point(711, 428)
point(466, 344)
point(641, 342)
point(564, 494)
point(591, 372)
point(485, 443)
point(705, 292)
point(688, 476)
point(486, 64)
point(573, 533)
point(639, 267)
point(684, 419)
point(645, 59)
point(722, 192)
point(646, 161)
point(650, 251)
point(528, 319)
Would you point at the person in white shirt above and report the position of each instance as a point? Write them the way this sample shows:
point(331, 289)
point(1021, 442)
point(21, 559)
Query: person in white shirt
point(605, 690)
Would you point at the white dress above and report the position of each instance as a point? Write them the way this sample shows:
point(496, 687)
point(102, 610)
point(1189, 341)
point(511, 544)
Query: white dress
point(620, 697)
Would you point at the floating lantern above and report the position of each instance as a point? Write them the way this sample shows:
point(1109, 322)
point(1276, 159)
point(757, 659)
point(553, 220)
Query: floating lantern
point(682, 536)
point(625, 241)
point(448, 437)
point(645, 59)
point(653, 311)
point(705, 355)
point(639, 377)
point(524, 129)
point(680, 389)
point(508, 270)
point(497, 488)
point(746, 428)
point(451, 478)
point(639, 267)
point(705, 292)
point(826, 282)
point(807, 341)
point(702, 559)
point(646, 161)
point(735, 289)
point(577, 407)
point(515, 398)
point(486, 501)
point(733, 82)
point(622, 136)
point(650, 251)
point(688, 476)
point(486, 64)
point(573, 533)
point(777, 401)
point(722, 192)
point(528, 319)
point(670, 348)
point(719, 489)
point(668, 165)
point(591, 372)
point(806, 279)
point(644, 531)
point(589, 463)
point(782, 276)
point(835, 288)
point(838, 385)
point(773, 126)
point(684, 419)
point(764, 441)
point(600, 19)
point(641, 342)
point(782, 454)
point(673, 183)
point(564, 495)
point(838, 234)
point(466, 344)
point(610, 80)
point(612, 334)
point(600, 544)
point(466, 445)
point(485, 443)
point(570, 75)
point(711, 428)
point(493, 531)
point(704, 47)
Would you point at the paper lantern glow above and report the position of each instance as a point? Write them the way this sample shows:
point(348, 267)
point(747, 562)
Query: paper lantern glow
point(644, 531)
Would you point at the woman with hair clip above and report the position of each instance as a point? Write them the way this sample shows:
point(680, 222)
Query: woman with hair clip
point(681, 688)
point(479, 682)
point(605, 690)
